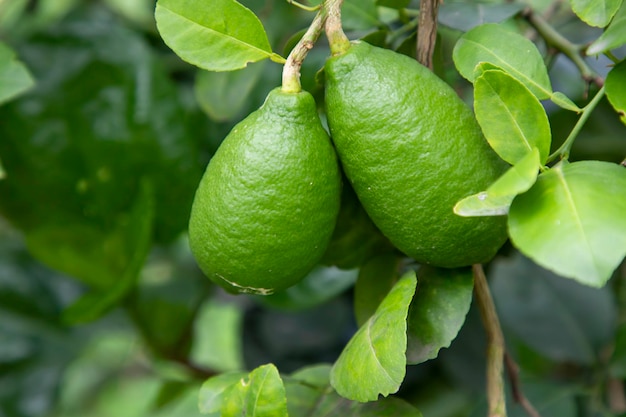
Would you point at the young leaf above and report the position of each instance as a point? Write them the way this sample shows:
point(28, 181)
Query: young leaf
point(564, 102)
point(465, 16)
point(220, 35)
point(438, 311)
point(614, 36)
point(262, 395)
point(572, 220)
point(212, 391)
point(14, 76)
point(223, 95)
point(616, 89)
point(511, 117)
point(507, 50)
point(595, 12)
point(374, 360)
point(580, 320)
point(376, 278)
point(497, 199)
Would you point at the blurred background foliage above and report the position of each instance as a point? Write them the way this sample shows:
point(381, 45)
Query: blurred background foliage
point(103, 311)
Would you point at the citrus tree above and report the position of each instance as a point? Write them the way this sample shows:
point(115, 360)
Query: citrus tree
point(336, 208)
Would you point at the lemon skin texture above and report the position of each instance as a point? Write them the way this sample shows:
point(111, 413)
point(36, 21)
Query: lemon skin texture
point(266, 207)
point(411, 149)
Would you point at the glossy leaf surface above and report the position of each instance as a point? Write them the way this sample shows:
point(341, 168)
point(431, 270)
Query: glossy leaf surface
point(373, 362)
point(616, 89)
point(572, 220)
point(595, 12)
point(614, 36)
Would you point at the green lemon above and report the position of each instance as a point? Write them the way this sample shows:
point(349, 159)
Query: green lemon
point(411, 149)
point(267, 204)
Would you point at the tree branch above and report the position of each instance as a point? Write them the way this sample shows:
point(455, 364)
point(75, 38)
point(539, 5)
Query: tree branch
point(495, 344)
point(427, 32)
point(512, 371)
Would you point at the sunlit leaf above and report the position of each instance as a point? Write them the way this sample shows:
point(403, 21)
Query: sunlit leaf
point(15, 78)
point(465, 16)
point(373, 362)
point(497, 199)
point(511, 117)
point(595, 12)
point(572, 220)
point(220, 35)
point(512, 52)
point(614, 36)
point(212, 391)
point(262, 394)
point(616, 89)
point(564, 102)
point(438, 311)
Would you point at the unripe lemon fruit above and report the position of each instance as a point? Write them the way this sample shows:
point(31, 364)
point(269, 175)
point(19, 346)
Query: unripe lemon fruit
point(267, 204)
point(411, 149)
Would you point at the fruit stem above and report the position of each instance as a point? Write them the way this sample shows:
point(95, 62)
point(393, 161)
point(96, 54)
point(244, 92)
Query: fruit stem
point(291, 69)
point(339, 42)
point(564, 149)
point(495, 344)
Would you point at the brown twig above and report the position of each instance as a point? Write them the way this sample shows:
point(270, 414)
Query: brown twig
point(495, 344)
point(512, 371)
point(427, 32)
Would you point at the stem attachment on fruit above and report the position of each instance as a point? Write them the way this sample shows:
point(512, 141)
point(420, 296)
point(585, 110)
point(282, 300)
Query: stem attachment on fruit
point(495, 344)
point(291, 69)
point(339, 42)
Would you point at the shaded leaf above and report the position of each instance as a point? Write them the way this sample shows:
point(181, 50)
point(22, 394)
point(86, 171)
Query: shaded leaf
point(393, 4)
point(572, 220)
point(320, 285)
point(221, 35)
point(511, 117)
point(614, 36)
point(223, 95)
point(359, 14)
point(376, 278)
point(497, 199)
point(508, 50)
point(261, 395)
point(616, 89)
point(373, 362)
point(438, 311)
point(212, 391)
point(15, 78)
point(465, 16)
point(595, 12)
point(559, 318)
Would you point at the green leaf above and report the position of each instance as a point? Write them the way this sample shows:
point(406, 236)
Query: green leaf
point(465, 16)
point(319, 286)
point(220, 35)
point(374, 360)
point(559, 318)
point(223, 95)
point(497, 199)
point(393, 4)
point(508, 50)
point(217, 337)
point(212, 391)
point(595, 12)
point(614, 36)
point(438, 311)
point(572, 220)
point(359, 15)
point(616, 89)
point(261, 395)
point(309, 394)
point(376, 278)
point(137, 228)
point(15, 78)
point(511, 117)
point(564, 102)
